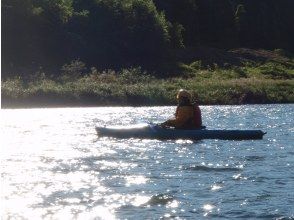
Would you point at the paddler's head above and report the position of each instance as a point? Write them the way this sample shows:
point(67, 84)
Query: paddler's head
point(184, 96)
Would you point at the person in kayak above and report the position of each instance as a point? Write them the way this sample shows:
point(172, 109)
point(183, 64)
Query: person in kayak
point(188, 115)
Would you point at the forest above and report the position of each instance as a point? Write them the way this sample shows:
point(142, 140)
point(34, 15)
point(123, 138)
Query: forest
point(58, 39)
point(115, 34)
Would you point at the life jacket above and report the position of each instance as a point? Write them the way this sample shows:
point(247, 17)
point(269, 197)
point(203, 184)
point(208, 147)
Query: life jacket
point(195, 121)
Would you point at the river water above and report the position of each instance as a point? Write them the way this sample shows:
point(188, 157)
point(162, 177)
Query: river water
point(53, 166)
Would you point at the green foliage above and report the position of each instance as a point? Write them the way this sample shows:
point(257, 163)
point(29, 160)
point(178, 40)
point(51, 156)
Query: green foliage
point(135, 87)
point(12, 88)
point(121, 37)
point(73, 71)
point(276, 71)
point(133, 75)
point(191, 68)
point(59, 11)
point(120, 34)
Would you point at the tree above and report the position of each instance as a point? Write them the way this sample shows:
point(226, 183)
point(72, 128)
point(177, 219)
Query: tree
point(124, 33)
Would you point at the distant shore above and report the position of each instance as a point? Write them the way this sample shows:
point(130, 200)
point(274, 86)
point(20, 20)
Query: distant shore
point(264, 77)
point(32, 105)
point(264, 84)
point(223, 92)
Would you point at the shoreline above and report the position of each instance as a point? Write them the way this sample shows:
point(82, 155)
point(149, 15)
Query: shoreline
point(110, 105)
point(267, 83)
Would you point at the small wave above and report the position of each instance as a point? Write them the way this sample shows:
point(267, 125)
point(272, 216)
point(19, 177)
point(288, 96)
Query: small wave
point(255, 158)
point(213, 169)
point(160, 199)
point(259, 179)
point(263, 197)
point(285, 218)
point(248, 215)
point(275, 216)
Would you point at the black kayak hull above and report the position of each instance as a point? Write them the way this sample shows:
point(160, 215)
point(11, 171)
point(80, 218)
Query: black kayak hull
point(156, 132)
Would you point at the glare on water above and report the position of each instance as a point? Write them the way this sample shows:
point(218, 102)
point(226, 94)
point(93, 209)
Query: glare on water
point(53, 166)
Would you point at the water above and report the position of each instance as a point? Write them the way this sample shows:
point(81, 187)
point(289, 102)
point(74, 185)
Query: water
point(53, 166)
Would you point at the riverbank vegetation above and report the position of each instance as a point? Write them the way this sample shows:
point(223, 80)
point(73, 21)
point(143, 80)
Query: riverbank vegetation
point(266, 83)
point(140, 52)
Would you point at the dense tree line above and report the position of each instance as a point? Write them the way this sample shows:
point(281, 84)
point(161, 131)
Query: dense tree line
point(124, 33)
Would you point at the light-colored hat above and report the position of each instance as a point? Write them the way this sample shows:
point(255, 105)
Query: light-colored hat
point(184, 94)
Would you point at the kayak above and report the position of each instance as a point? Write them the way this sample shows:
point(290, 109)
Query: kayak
point(157, 132)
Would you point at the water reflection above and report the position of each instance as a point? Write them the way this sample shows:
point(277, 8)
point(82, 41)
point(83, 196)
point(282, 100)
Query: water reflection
point(216, 187)
point(54, 166)
point(135, 180)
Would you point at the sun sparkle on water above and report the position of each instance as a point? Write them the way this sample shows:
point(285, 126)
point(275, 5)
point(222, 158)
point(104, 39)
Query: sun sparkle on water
point(53, 166)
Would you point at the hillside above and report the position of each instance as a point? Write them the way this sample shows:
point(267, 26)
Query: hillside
point(140, 52)
point(155, 35)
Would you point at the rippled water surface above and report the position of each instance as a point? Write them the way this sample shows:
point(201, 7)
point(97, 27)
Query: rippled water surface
point(53, 166)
